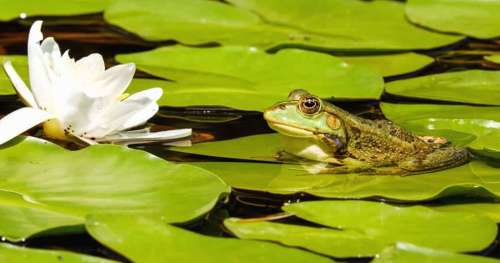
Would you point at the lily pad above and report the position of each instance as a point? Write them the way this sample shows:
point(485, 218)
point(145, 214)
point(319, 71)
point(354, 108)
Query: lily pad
point(21, 218)
point(261, 147)
point(417, 225)
point(473, 179)
point(491, 210)
point(28, 8)
point(181, 95)
point(363, 229)
point(408, 253)
point(14, 254)
point(132, 236)
point(470, 86)
point(493, 58)
point(392, 64)
point(274, 23)
point(476, 18)
point(326, 241)
point(21, 64)
point(100, 178)
point(244, 69)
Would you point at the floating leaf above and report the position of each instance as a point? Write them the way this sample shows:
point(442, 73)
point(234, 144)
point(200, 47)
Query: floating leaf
point(28, 8)
point(491, 210)
point(475, 178)
point(274, 23)
point(408, 253)
point(132, 236)
point(251, 71)
point(181, 95)
point(470, 86)
point(20, 218)
point(392, 64)
point(261, 147)
point(476, 18)
point(493, 58)
point(98, 178)
point(417, 224)
point(331, 242)
point(362, 229)
point(14, 254)
point(21, 65)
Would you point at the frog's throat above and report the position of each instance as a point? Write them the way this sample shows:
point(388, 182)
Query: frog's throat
point(290, 130)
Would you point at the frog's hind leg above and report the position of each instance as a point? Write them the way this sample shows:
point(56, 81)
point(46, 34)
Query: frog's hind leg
point(440, 159)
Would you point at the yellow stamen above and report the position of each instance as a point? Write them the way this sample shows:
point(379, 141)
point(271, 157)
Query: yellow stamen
point(53, 129)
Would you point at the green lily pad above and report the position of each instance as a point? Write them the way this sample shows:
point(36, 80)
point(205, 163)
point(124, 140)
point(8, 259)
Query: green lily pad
point(476, 127)
point(417, 225)
point(493, 58)
point(470, 86)
point(491, 210)
point(473, 179)
point(487, 145)
point(101, 178)
point(132, 236)
point(261, 147)
point(331, 242)
point(363, 229)
point(20, 63)
point(14, 254)
point(392, 64)
point(21, 218)
point(274, 23)
point(244, 69)
point(476, 18)
point(28, 8)
point(181, 95)
point(408, 253)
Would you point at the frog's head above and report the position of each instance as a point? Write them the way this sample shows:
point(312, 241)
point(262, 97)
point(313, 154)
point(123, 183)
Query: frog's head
point(303, 115)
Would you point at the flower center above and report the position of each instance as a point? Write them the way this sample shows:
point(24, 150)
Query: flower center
point(53, 129)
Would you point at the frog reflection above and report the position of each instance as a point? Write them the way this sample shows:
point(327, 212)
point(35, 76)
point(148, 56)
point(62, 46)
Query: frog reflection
point(316, 130)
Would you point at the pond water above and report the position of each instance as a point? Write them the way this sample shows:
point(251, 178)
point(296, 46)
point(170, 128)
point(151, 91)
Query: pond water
point(90, 33)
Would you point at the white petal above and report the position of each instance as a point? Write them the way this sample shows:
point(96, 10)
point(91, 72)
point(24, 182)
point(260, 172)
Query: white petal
point(20, 121)
point(113, 82)
point(147, 112)
point(135, 110)
point(91, 66)
point(134, 137)
point(153, 94)
point(35, 34)
point(50, 46)
point(22, 90)
point(39, 68)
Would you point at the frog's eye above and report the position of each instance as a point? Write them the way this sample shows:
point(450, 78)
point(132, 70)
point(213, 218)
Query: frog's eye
point(309, 105)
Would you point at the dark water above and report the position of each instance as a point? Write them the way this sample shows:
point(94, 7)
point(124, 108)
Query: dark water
point(88, 34)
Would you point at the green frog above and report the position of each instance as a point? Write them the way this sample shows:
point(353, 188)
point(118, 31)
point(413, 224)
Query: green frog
point(319, 131)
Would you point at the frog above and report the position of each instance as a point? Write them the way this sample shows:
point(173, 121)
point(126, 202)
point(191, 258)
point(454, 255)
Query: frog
point(317, 131)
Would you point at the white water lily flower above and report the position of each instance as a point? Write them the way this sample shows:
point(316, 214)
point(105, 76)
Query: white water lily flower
point(79, 99)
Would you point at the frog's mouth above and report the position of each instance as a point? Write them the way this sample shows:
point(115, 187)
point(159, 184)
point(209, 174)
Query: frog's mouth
point(290, 130)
